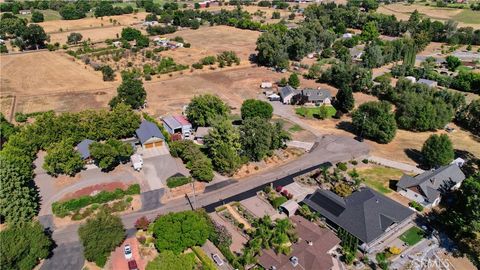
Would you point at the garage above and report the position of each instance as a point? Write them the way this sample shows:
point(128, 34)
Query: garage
point(149, 135)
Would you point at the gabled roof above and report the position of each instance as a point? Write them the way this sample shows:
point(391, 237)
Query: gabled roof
point(366, 214)
point(83, 148)
point(316, 94)
point(286, 91)
point(148, 130)
point(431, 182)
point(171, 122)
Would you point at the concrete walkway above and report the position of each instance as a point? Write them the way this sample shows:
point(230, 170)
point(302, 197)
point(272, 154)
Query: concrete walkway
point(395, 164)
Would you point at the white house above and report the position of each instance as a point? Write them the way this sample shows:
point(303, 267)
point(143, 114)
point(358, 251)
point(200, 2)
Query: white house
point(411, 79)
point(427, 188)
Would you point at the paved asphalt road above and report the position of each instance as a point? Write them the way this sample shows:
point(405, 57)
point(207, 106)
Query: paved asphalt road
point(329, 148)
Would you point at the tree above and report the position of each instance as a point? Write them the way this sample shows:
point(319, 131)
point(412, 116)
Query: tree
point(223, 144)
point(130, 33)
point(6, 129)
point(33, 37)
point(74, 38)
point(167, 260)
point(204, 109)
point(373, 56)
point(293, 80)
point(344, 100)
point(130, 92)
point(108, 73)
point(374, 120)
point(271, 51)
point(100, 235)
point(438, 150)
point(62, 158)
point(111, 153)
point(19, 200)
point(453, 62)
point(468, 117)
point(275, 15)
point(181, 230)
point(370, 31)
point(254, 107)
point(23, 246)
point(37, 17)
point(71, 12)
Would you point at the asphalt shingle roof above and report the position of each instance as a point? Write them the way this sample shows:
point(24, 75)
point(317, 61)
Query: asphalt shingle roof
point(82, 148)
point(286, 90)
point(366, 214)
point(148, 130)
point(430, 182)
point(316, 94)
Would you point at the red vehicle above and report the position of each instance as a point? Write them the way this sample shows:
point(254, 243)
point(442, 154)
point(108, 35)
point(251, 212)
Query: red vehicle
point(132, 265)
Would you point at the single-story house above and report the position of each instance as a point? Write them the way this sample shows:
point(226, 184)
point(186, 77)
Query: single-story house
point(150, 23)
point(201, 133)
point(149, 135)
point(428, 83)
point(312, 250)
point(84, 150)
point(287, 93)
point(177, 124)
point(25, 12)
point(427, 188)
point(317, 96)
point(289, 207)
point(274, 97)
point(366, 214)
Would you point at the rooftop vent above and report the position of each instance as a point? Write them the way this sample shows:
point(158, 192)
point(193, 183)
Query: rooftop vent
point(310, 243)
point(294, 261)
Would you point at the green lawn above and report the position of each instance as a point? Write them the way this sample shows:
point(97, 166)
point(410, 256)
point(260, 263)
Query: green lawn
point(48, 14)
point(467, 16)
point(313, 112)
point(464, 69)
point(412, 236)
point(295, 128)
point(379, 178)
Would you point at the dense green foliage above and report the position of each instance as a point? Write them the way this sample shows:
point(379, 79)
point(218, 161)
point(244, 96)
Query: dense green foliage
point(374, 120)
point(130, 92)
point(62, 158)
point(469, 117)
point(343, 75)
point(108, 73)
point(254, 107)
point(167, 260)
point(19, 197)
point(349, 245)
point(223, 146)
point(23, 246)
point(207, 263)
point(293, 80)
point(453, 62)
point(6, 129)
point(461, 220)
point(177, 181)
point(199, 164)
point(74, 11)
point(181, 230)
point(105, 8)
point(64, 208)
point(37, 17)
point(259, 137)
point(438, 150)
point(100, 235)
point(344, 100)
point(204, 109)
point(111, 153)
point(74, 38)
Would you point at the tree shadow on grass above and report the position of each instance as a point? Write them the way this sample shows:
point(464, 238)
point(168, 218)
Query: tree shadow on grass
point(416, 156)
point(347, 126)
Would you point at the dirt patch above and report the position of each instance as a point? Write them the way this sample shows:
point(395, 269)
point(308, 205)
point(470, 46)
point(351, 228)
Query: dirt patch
point(458, 262)
point(174, 193)
point(94, 189)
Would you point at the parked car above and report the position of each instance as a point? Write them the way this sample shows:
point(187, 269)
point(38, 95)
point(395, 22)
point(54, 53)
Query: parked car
point(132, 265)
point(127, 251)
point(217, 259)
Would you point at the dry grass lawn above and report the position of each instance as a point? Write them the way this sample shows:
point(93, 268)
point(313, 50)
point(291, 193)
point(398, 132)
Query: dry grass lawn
point(402, 11)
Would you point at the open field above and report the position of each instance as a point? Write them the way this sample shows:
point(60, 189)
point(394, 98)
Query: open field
point(402, 11)
point(212, 41)
point(94, 34)
point(49, 15)
point(313, 112)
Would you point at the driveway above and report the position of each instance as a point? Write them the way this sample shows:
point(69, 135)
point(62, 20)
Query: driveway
point(209, 248)
point(117, 258)
point(288, 112)
point(158, 169)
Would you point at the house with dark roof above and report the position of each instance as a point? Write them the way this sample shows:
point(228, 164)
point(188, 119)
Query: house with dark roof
point(149, 135)
point(83, 149)
point(312, 250)
point(287, 93)
point(366, 214)
point(427, 188)
point(317, 96)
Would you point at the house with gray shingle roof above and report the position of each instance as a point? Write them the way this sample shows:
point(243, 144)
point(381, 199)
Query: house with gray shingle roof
point(427, 188)
point(83, 149)
point(317, 96)
point(366, 214)
point(287, 93)
point(149, 135)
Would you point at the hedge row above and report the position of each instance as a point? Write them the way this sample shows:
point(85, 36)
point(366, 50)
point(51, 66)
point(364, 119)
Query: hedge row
point(176, 181)
point(207, 263)
point(62, 209)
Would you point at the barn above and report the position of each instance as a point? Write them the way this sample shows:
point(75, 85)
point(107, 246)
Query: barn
point(149, 135)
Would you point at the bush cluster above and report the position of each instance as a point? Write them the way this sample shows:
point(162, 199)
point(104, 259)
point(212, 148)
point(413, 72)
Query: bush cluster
point(200, 165)
point(62, 209)
point(176, 181)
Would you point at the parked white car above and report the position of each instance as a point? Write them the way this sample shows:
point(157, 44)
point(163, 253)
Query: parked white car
point(217, 259)
point(127, 251)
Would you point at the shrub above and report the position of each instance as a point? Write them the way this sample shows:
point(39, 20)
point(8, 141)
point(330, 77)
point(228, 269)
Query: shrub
point(342, 166)
point(20, 117)
point(353, 162)
point(365, 161)
point(197, 66)
point(276, 202)
point(176, 181)
point(415, 205)
point(207, 263)
point(278, 188)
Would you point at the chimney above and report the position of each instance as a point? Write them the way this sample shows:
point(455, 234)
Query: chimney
point(310, 243)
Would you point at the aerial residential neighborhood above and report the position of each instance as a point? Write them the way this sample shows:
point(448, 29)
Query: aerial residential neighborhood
point(240, 134)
